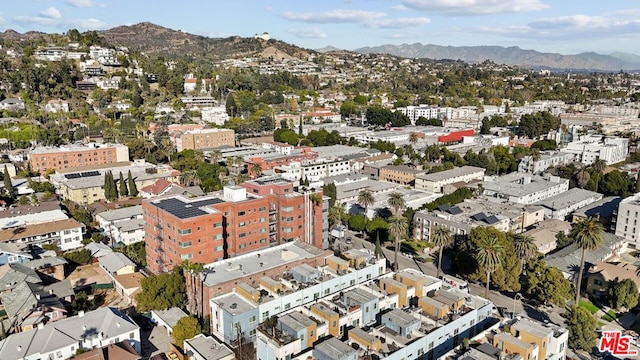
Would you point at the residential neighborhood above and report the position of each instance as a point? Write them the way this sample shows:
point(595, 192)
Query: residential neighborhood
point(328, 205)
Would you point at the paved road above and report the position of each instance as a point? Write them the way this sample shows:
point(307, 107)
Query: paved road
point(551, 314)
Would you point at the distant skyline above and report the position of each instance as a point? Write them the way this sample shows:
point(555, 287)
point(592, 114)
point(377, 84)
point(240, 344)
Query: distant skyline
point(562, 26)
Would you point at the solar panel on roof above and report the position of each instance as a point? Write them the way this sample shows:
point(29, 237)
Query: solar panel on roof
point(491, 220)
point(444, 207)
point(185, 210)
point(479, 216)
point(455, 210)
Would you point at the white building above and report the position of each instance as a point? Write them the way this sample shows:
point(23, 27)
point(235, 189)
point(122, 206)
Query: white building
point(524, 188)
point(546, 160)
point(216, 115)
point(436, 181)
point(593, 147)
point(628, 218)
point(56, 106)
point(203, 347)
point(314, 170)
point(67, 234)
point(63, 338)
point(122, 225)
point(560, 206)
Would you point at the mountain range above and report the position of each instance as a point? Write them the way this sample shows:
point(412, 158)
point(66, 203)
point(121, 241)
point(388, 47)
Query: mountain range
point(158, 40)
point(511, 56)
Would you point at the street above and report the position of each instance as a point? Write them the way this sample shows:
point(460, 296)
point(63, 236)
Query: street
point(551, 314)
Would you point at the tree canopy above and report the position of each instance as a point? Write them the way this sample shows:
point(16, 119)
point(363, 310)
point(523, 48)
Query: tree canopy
point(582, 329)
point(186, 328)
point(161, 292)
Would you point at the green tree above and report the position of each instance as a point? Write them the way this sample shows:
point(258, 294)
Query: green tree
point(396, 202)
point(623, 294)
point(123, 186)
point(376, 225)
point(110, 190)
point(161, 292)
point(133, 188)
point(587, 234)
point(357, 222)
point(582, 329)
point(489, 256)
point(546, 284)
point(80, 257)
point(365, 199)
point(186, 328)
point(231, 106)
point(81, 302)
point(8, 186)
point(398, 228)
point(441, 237)
point(524, 247)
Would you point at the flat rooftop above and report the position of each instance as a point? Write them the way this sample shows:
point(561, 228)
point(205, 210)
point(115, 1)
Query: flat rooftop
point(569, 198)
point(73, 147)
point(234, 304)
point(453, 173)
point(513, 184)
point(184, 208)
point(258, 261)
point(122, 213)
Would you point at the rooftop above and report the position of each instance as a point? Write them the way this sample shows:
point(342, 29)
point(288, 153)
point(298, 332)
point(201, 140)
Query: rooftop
point(106, 322)
point(208, 347)
point(506, 337)
point(453, 173)
point(38, 229)
point(258, 261)
point(185, 208)
point(170, 316)
point(335, 349)
point(518, 184)
point(74, 147)
point(234, 304)
point(568, 198)
point(567, 259)
point(401, 318)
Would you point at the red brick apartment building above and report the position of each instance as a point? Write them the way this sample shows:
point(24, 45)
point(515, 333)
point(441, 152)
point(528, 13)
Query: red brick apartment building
point(71, 157)
point(240, 219)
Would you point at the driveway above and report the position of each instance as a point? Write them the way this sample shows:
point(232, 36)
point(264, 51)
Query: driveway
point(155, 341)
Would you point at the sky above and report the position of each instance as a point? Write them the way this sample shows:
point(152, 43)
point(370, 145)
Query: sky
point(561, 26)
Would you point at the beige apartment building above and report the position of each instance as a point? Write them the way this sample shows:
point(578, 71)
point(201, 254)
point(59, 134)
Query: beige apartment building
point(205, 139)
point(399, 174)
point(75, 157)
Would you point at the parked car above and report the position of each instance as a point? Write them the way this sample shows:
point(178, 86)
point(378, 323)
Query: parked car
point(420, 259)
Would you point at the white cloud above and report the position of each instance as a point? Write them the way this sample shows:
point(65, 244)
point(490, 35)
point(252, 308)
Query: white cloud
point(399, 7)
point(308, 33)
point(81, 3)
point(51, 13)
point(474, 7)
point(397, 23)
point(334, 16)
point(63, 24)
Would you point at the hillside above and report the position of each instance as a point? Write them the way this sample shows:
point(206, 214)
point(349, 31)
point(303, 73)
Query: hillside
point(157, 40)
point(507, 55)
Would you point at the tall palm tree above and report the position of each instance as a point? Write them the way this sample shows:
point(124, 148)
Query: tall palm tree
point(256, 169)
point(365, 199)
point(398, 227)
point(215, 156)
point(396, 201)
point(413, 137)
point(587, 234)
point(599, 166)
point(489, 257)
point(441, 237)
point(524, 247)
point(336, 213)
point(240, 178)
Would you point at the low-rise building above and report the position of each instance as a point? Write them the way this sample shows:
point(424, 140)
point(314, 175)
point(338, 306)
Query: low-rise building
point(205, 139)
point(70, 157)
point(524, 188)
point(593, 147)
point(203, 347)
point(435, 182)
point(545, 233)
point(167, 318)
point(66, 234)
point(123, 225)
point(602, 273)
point(560, 206)
point(511, 344)
point(628, 218)
point(399, 174)
point(539, 164)
point(86, 331)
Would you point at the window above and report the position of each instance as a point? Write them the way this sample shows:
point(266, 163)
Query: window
point(217, 237)
point(184, 231)
point(241, 213)
point(131, 335)
point(241, 224)
point(185, 244)
point(186, 256)
point(242, 246)
point(286, 208)
point(12, 258)
point(252, 319)
point(265, 314)
point(263, 208)
point(263, 240)
point(217, 225)
point(219, 248)
point(242, 235)
point(311, 333)
point(287, 306)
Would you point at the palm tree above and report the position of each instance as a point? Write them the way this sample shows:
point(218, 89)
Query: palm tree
point(441, 237)
point(587, 234)
point(413, 137)
point(365, 199)
point(398, 227)
point(188, 177)
point(583, 178)
point(215, 156)
point(396, 201)
point(240, 178)
point(256, 169)
point(336, 213)
point(489, 257)
point(599, 166)
point(524, 247)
